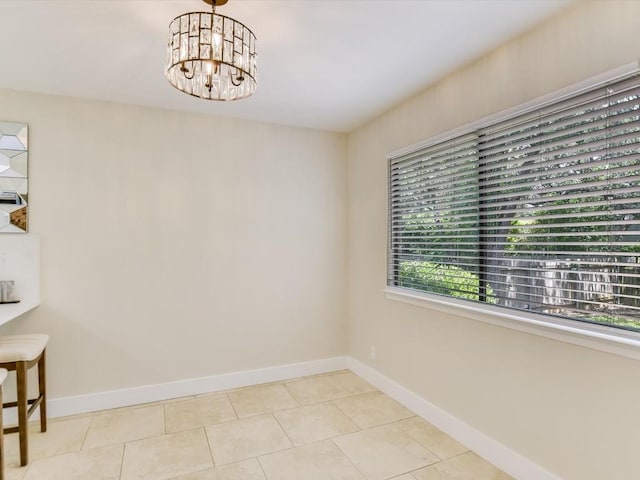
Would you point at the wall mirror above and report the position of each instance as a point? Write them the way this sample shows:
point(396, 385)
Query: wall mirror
point(14, 152)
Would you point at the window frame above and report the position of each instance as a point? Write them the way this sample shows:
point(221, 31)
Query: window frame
point(599, 337)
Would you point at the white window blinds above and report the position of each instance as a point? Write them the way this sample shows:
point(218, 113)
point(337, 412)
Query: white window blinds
point(540, 212)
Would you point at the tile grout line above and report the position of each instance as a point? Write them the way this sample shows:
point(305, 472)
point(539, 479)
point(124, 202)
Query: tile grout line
point(164, 419)
point(232, 406)
point(264, 473)
point(407, 434)
point(124, 446)
point(86, 435)
point(360, 427)
point(206, 435)
point(347, 457)
point(293, 445)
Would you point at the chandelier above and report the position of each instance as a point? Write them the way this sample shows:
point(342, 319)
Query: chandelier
point(211, 56)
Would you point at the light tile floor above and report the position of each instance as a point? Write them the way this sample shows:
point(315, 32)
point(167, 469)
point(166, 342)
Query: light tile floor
point(326, 427)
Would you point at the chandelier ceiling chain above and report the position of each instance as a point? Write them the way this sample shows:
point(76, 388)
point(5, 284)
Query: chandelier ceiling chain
point(211, 56)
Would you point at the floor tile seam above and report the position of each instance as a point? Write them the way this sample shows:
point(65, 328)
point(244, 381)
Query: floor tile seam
point(461, 454)
point(410, 472)
point(164, 419)
point(79, 452)
point(165, 435)
point(333, 399)
point(123, 441)
point(394, 477)
point(347, 415)
point(194, 399)
point(135, 406)
point(404, 420)
point(113, 412)
point(330, 402)
point(256, 457)
point(56, 455)
point(305, 445)
point(402, 431)
point(215, 393)
point(269, 410)
point(315, 375)
point(283, 431)
point(408, 434)
point(168, 432)
point(413, 415)
point(66, 418)
point(24, 474)
point(288, 409)
point(441, 460)
point(354, 395)
point(288, 383)
point(150, 404)
point(124, 446)
point(86, 435)
point(362, 394)
point(137, 440)
point(264, 472)
point(206, 435)
point(362, 430)
point(255, 385)
point(232, 406)
point(339, 372)
point(264, 412)
point(344, 454)
point(189, 473)
point(205, 425)
point(286, 387)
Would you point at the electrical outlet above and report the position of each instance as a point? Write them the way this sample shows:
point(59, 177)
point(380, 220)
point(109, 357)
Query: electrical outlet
point(372, 352)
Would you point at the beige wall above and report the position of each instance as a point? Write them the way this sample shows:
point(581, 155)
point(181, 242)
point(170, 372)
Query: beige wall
point(570, 409)
point(177, 246)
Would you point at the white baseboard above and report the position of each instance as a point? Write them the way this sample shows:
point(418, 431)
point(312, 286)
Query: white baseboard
point(60, 407)
point(493, 451)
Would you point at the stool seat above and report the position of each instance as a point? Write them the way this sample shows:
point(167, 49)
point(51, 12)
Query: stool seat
point(22, 348)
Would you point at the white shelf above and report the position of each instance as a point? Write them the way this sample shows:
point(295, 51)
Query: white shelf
point(9, 311)
point(20, 262)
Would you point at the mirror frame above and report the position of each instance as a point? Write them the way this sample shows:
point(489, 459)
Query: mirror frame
point(14, 181)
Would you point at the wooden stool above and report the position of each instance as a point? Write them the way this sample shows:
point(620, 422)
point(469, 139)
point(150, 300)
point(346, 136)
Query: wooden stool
point(3, 376)
point(19, 353)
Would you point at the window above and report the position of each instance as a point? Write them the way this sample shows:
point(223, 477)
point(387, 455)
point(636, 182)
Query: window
point(537, 212)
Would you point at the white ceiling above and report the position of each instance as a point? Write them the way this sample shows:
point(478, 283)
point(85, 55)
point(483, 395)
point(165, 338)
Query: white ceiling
point(327, 64)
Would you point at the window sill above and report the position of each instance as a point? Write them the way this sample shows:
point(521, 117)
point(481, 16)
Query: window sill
point(606, 339)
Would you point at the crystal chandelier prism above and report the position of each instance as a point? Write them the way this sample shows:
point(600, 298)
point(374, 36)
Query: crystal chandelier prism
point(211, 56)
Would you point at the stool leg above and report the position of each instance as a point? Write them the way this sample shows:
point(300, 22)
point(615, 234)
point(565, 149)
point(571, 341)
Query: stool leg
point(1, 440)
point(42, 387)
point(21, 380)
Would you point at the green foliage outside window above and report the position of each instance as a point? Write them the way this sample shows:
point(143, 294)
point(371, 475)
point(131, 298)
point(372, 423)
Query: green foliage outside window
point(442, 279)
